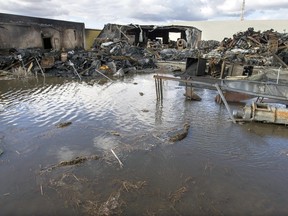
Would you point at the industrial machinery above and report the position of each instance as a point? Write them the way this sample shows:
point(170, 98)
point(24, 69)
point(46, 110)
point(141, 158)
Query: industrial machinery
point(262, 112)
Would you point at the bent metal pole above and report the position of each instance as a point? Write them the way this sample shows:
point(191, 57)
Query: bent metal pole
point(225, 102)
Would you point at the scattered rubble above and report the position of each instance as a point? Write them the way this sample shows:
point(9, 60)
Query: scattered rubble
point(79, 63)
point(120, 50)
point(249, 49)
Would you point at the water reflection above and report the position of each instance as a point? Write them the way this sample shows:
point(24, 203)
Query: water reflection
point(220, 168)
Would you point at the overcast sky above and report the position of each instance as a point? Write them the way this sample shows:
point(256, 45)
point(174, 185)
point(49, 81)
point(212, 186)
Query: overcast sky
point(96, 13)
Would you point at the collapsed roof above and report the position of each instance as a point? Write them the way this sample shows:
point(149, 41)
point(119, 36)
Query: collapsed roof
point(141, 35)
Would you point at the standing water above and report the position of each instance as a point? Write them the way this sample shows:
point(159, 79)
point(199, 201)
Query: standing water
point(64, 142)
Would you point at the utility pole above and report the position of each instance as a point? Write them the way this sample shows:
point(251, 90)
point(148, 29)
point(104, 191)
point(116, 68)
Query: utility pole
point(242, 11)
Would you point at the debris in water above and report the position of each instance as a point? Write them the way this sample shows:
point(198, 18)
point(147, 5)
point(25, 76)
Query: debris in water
point(75, 161)
point(128, 186)
point(180, 134)
point(141, 93)
point(145, 110)
point(69, 187)
point(282, 152)
point(41, 189)
point(115, 133)
point(113, 206)
point(121, 164)
point(91, 208)
point(1, 151)
point(63, 124)
point(177, 195)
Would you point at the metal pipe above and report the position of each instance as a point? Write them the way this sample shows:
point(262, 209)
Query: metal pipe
point(40, 67)
point(74, 69)
point(186, 89)
point(225, 102)
point(104, 75)
point(264, 113)
point(278, 74)
point(156, 88)
point(161, 89)
point(191, 92)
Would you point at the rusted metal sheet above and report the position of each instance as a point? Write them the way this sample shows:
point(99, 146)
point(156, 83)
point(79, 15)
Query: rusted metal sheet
point(233, 97)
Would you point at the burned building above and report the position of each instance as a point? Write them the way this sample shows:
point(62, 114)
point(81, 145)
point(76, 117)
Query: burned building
point(151, 35)
point(23, 32)
point(90, 35)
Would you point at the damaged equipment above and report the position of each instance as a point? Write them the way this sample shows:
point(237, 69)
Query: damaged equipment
point(262, 112)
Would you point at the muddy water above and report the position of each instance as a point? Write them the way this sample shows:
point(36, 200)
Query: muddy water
point(220, 168)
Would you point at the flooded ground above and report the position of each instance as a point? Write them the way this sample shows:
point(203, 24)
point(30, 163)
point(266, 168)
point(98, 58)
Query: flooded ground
point(57, 138)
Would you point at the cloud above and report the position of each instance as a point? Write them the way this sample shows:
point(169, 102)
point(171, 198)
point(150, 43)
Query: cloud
point(40, 8)
point(97, 13)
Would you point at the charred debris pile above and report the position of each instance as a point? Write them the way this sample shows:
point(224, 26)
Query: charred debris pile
point(122, 49)
point(119, 49)
point(245, 53)
point(76, 63)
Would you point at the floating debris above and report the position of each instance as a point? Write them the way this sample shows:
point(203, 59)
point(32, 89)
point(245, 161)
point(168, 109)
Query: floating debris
point(177, 195)
point(180, 134)
point(75, 161)
point(63, 124)
point(128, 186)
point(115, 133)
point(69, 187)
point(145, 110)
point(141, 93)
point(120, 163)
point(113, 206)
point(282, 152)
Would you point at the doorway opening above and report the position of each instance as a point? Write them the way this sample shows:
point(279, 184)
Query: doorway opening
point(47, 43)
